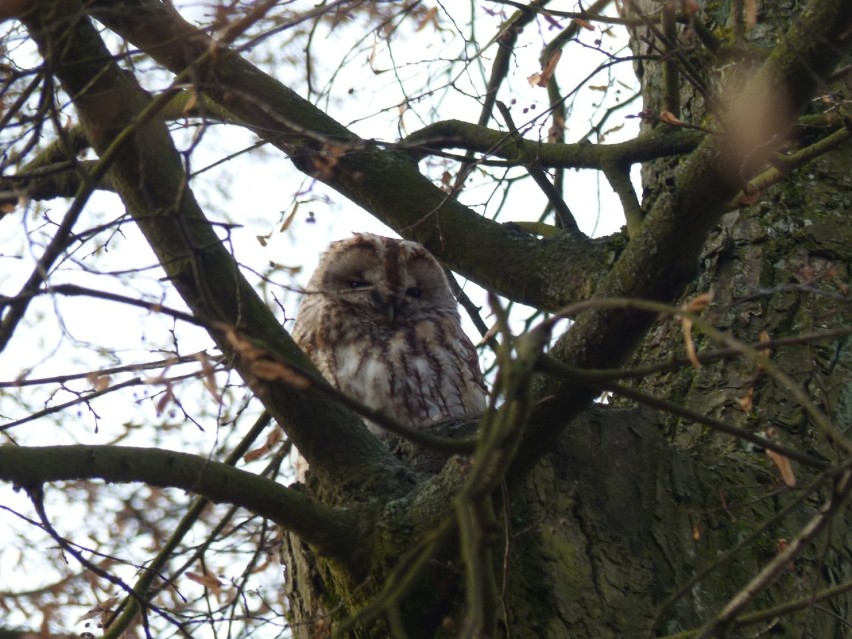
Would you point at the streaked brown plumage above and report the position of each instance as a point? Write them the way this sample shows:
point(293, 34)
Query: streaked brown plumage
point(380, 323)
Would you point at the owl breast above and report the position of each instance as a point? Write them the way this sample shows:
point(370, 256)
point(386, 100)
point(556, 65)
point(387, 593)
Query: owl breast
point(405, 374)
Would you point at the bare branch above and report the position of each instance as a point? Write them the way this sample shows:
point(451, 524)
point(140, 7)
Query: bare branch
point(331, 530)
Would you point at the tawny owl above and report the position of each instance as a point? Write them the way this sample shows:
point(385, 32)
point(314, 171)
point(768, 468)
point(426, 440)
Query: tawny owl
point(380, 323)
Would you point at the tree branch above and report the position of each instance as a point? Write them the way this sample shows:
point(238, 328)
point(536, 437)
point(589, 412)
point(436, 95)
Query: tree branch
point(619, 179)
point(660, 142)
point(506, 40)
point(334, 532)
point(142, 587)
point(532, 164)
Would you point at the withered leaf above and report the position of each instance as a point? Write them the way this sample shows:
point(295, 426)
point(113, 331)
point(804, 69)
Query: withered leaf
point(749, 195)
point(688, 343)
point(669, 118)
point(272, 439)
point(430, 16)
point(785, 468)
point(289, 219)
point(695, 305)
point(699, 302)
point(207, 580)
point(191, 102)
point(746, 402)
point(541, 79)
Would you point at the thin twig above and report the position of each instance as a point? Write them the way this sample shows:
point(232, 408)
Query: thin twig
point(774, 569)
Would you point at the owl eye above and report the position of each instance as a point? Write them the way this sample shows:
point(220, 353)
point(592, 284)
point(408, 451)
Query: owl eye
point(353, 284)
point(414, 292)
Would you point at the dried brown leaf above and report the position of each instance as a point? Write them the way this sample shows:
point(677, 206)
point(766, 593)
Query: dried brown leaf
point(784, 466)
point(699, 302)
point(105, 606)
point(324, 162)
point(263, 364)
point(99, 382)
point(191, 101)
point(289, 219)
point(271, 370)
point(447, 181)
point(541, 79)
point(746, 402)
point(261, 451)
point(430, 16)
point(749, 195)
point(165, 399)
point(209, 376)
point(207, 580)
point(669, 118)
point(688, 343)
point(695, 305)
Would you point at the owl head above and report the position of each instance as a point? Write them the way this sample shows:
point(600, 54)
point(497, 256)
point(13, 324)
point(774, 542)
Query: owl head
point(383, 280)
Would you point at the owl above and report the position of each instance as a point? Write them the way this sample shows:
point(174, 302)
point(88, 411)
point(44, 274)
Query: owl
point(380, 323)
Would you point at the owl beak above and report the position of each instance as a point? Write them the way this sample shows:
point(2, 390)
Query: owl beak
point(393, 309)
point(388, 306)
point(390, 312)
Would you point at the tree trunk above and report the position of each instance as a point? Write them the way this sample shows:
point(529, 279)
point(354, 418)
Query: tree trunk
point(633, 503)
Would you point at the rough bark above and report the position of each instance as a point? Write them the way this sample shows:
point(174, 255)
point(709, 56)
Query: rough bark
point(778, 269)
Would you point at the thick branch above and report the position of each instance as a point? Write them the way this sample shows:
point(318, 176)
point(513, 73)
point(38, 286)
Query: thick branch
point(448, 134)
point(47, 182)
point(335, 532)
